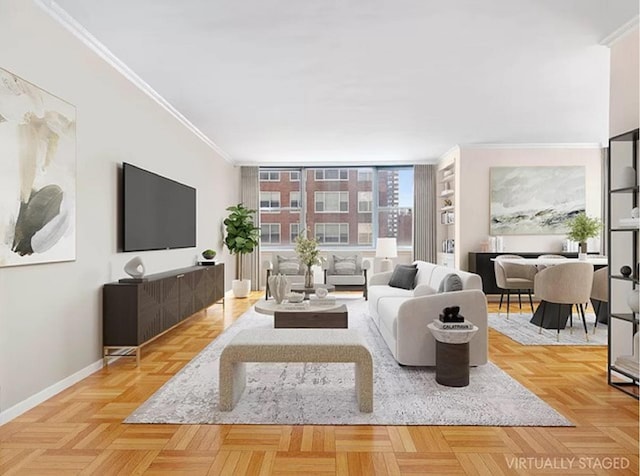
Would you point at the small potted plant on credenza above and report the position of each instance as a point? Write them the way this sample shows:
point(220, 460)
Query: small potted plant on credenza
point(581, 228)
point(242, 238)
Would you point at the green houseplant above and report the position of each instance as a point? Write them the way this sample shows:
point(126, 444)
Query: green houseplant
point(309, 254)
point(241, 239)
point(583, 227)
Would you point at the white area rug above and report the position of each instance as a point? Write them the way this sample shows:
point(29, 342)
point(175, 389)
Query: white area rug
point(324, 394)
point(521, 330)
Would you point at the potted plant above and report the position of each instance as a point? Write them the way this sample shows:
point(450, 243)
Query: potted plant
point(309, 254)
point(581, 228)
point(208, 254)
point(242, 238)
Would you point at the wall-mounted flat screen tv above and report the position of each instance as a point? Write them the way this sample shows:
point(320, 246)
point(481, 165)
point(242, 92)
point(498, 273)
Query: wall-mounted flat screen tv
point(157, 213)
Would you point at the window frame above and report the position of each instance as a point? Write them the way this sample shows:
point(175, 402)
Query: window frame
point(270, 225)
point(323, 193)
point(269, 179)
point(324, 234)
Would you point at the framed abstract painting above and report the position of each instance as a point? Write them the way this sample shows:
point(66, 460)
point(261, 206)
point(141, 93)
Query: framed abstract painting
point(535, 200)
point(37, 174)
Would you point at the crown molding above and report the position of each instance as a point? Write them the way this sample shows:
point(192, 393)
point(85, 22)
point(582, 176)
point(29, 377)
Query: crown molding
point(537, 145)
point(334, 163)
point(621, 32)
point(76, 29)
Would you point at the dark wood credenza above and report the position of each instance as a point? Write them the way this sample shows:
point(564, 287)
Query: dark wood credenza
point(481, 264)
point(136, 312)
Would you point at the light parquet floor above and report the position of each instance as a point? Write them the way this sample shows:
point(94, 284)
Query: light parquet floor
point(79, 431)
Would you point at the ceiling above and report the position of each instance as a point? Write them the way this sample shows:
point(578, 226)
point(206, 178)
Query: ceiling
point(368, 81)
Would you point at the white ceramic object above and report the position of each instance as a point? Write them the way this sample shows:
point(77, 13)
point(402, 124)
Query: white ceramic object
point(635, 212)
point(582, 256)
point(295, 297)
point(633, 299)
point(628, 177)
point(135, 268)
point(321, 293)
point(241, 287)
point(279, 287)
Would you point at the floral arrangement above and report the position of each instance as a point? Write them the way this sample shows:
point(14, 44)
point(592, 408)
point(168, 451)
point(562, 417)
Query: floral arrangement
point(307, 249)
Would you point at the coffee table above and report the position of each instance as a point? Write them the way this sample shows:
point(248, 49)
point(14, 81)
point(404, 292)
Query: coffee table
point(311, 317)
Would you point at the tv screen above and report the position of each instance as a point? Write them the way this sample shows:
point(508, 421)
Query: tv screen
point(158, 213)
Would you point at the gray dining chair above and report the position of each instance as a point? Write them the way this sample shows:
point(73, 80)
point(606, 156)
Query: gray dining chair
point(566, 283)
point(513, 277)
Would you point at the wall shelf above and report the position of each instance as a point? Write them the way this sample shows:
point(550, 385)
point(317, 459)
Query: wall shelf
point(622, 248)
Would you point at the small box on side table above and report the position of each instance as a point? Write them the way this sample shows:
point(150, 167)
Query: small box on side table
point(452, 352)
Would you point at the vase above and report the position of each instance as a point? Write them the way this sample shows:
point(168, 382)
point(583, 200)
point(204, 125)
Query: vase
point(279, 287)
point(308, 278)
point(135, 268)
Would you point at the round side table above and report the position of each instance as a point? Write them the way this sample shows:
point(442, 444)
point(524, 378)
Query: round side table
point(452, 355)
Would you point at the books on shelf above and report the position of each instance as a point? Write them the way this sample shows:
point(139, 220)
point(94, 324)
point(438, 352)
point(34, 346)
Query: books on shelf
point(453, 326)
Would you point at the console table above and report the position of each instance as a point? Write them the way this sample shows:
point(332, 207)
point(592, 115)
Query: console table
point(135, 313)
point(482, 264)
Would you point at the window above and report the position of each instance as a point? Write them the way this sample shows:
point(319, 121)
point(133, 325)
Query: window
point(343, 206)
point(365, 175)
point(365, 202)
point(294, 229)
point(332, 233)
point(270, 233)
point(365, 234)
point(395, 204)
point(332, 174)
point(294, 199)
point(269, 200)
point(337, 202)
point(269, 176)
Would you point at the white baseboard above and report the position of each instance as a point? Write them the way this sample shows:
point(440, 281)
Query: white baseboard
point(35, 400)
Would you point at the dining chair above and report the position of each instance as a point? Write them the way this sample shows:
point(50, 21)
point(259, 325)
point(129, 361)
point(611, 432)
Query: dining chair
point(600, 296)
point(566, 283)
point(513, 277)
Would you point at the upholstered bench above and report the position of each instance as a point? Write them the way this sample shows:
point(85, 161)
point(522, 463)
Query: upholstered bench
point(294, 345)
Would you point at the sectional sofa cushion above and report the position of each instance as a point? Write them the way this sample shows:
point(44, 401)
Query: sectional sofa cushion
point(403, 277)
point(451, 282)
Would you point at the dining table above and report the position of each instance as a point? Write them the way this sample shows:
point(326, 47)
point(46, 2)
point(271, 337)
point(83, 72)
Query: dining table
point(553, 311)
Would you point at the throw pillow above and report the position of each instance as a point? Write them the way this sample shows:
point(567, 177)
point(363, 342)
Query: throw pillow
point(451, 282)
point(288, 266)
point(403, 277)
point(344, 264)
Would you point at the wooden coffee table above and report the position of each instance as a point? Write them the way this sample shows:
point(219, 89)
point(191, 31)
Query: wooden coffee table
point(312, 317)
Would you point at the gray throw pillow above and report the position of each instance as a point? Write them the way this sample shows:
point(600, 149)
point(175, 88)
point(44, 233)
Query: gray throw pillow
point(344, 264)
point(451, 282)
point(288, 266)
point(403, 277)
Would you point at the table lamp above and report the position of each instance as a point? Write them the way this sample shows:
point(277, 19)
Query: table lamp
point(386, 248)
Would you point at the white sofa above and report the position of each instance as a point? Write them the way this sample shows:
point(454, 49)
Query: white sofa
point(402, 315)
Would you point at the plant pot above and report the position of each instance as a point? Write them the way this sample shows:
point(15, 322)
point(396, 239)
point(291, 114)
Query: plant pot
point(241, 287)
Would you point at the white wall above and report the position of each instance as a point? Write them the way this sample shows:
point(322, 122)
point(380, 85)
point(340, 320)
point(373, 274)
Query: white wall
point(474, 193)
point(50, 314)
point(625, 84)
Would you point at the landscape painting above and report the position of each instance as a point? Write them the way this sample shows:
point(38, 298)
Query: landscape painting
point(535, 200)
point(37, 174)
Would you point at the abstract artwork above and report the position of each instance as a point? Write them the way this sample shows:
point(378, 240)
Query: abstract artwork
point(535, 200)
point(37, 174)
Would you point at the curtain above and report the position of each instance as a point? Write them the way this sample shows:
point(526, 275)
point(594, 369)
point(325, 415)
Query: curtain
point(424, 213)
point(249, 179)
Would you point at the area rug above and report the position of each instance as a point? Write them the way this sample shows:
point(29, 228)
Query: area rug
point(518, 328)
point(323, 394)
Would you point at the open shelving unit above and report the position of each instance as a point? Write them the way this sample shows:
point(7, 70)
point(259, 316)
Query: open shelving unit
point(622, 243)
point(447, 213)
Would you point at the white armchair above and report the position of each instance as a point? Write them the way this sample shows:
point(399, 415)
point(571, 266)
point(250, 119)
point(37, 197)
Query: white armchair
point(346, 271)
point(283, 263)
